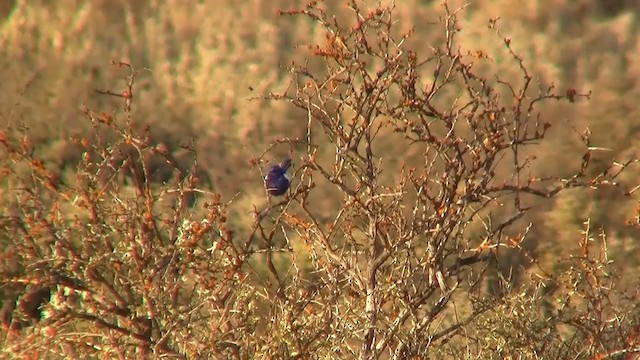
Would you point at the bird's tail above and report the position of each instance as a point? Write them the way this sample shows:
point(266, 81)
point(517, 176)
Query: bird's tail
point(285, 164)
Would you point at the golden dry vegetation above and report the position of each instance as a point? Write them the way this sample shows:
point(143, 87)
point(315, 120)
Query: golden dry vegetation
point(207, 69)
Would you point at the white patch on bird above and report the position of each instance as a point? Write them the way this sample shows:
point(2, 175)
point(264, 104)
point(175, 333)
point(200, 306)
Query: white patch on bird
point(286, 176)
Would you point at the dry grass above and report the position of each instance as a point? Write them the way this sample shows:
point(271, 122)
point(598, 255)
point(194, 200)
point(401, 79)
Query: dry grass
point(209, 63)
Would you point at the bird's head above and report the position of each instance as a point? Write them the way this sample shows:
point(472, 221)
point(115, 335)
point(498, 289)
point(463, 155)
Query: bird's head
point(277, 181)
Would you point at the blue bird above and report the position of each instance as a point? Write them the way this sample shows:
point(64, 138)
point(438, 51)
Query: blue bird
point(277, 181)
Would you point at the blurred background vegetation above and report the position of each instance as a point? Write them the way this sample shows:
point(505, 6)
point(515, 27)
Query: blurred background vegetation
point(208, 58)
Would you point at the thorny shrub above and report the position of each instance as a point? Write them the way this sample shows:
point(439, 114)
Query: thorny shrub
point(110, 264)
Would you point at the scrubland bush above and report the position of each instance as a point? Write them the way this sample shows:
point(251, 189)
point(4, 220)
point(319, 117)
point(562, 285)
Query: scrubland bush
point(426, 256)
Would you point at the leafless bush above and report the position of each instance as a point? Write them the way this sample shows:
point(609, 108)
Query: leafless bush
point(582, 312)
point(399, 271)
point(119, 261)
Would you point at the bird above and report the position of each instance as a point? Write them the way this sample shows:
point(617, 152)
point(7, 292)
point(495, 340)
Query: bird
point(277, 181)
